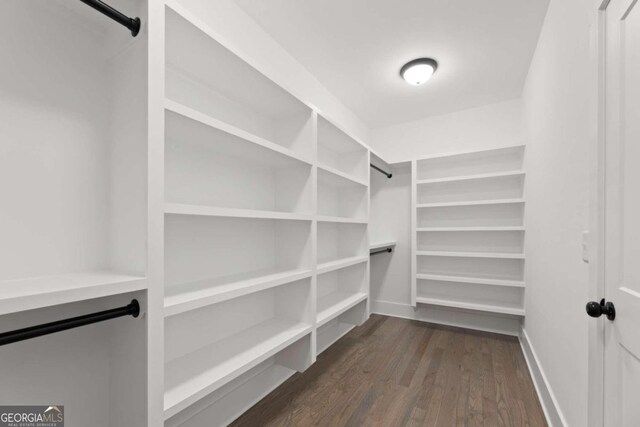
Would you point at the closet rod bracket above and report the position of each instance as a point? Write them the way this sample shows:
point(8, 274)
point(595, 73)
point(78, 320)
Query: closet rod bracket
point(132, 24)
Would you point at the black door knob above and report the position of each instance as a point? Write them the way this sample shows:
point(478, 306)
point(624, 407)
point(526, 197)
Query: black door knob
point(595, 309)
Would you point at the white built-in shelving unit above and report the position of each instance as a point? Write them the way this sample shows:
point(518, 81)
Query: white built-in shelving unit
point(468, 231)
point(265, 229)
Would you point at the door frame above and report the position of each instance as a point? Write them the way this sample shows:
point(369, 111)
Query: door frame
point(597, 33)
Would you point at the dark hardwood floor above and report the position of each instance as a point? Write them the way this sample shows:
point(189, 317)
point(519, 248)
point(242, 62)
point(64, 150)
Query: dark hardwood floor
point(396, 372)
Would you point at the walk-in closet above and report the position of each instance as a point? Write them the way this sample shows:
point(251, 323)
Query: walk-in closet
point(336, 213)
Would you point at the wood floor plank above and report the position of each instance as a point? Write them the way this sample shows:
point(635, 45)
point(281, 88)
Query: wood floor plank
point(474, 402)
point(396, 372)
point(510, 407)
point(489, 401)
point(417, 355)
point(447, 414)
point(435, 393)
point(528, 393)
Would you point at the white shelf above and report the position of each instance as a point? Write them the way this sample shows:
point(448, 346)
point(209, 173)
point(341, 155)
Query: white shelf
point(445, 229)
point(200, 210)
point(341, 174)
point(473, 153)
point(380, 245)
point(516, 311)
point(471, 177)
point(341, 220)
point(190, 296)
point(324, 342)
point(471, 203)
point(337, 180)
point(338, 196)
point(37, 292)
point(336, 303)
point(339, 153)
point(197, 374)
point(326, 267)
point(203, 72)
point(478, 280)
point(205, 119)
point(502, 255)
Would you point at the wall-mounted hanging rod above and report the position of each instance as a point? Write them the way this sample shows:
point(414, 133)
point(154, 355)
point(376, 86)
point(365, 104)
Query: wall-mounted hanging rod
point(389, 175)
point(133, 309)
point(381, 251)
point(131, 23)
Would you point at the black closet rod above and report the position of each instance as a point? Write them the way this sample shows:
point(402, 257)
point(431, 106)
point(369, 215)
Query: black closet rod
point(131, 23)
point(389, 175)
point(381, 251)
point(133, 309)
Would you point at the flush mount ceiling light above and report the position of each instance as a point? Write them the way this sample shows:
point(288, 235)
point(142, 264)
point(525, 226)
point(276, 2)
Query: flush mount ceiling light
point(418, 71)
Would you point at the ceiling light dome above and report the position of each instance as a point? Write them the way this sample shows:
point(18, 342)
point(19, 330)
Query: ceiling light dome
point(418, 71)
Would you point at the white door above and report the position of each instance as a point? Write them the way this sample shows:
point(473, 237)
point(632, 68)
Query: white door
point(622, 214)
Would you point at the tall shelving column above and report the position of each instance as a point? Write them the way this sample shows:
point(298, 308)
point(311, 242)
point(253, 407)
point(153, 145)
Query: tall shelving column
point(239, 228)
point(468, 231)
point(342, 282)
point(266, 207)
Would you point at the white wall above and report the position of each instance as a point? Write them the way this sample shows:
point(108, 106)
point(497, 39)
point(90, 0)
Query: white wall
point(247, 39)
point(558, 120)
point(489, 126)
point(54, 145)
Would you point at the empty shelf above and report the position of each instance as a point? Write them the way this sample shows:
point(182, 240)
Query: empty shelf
point(205, 119)
point(506, 228)
point(341, 174)
point(516, 311)
point(471, 203)
point(504, 255)
point(472, 177)
point(336, 303)
point(190, 296)
point(388, 244)
point(37, 292)
point(336, 179)
point(191, 377)
point(478, 280)
point(474, 152)
point(185, 209)
point(325, 267)
point(338, 219)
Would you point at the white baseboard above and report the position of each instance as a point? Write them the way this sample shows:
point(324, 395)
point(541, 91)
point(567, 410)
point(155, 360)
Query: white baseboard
point(545, 394)
point(487, 322)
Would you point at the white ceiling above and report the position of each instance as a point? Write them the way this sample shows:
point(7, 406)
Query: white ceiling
point(356, 48)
